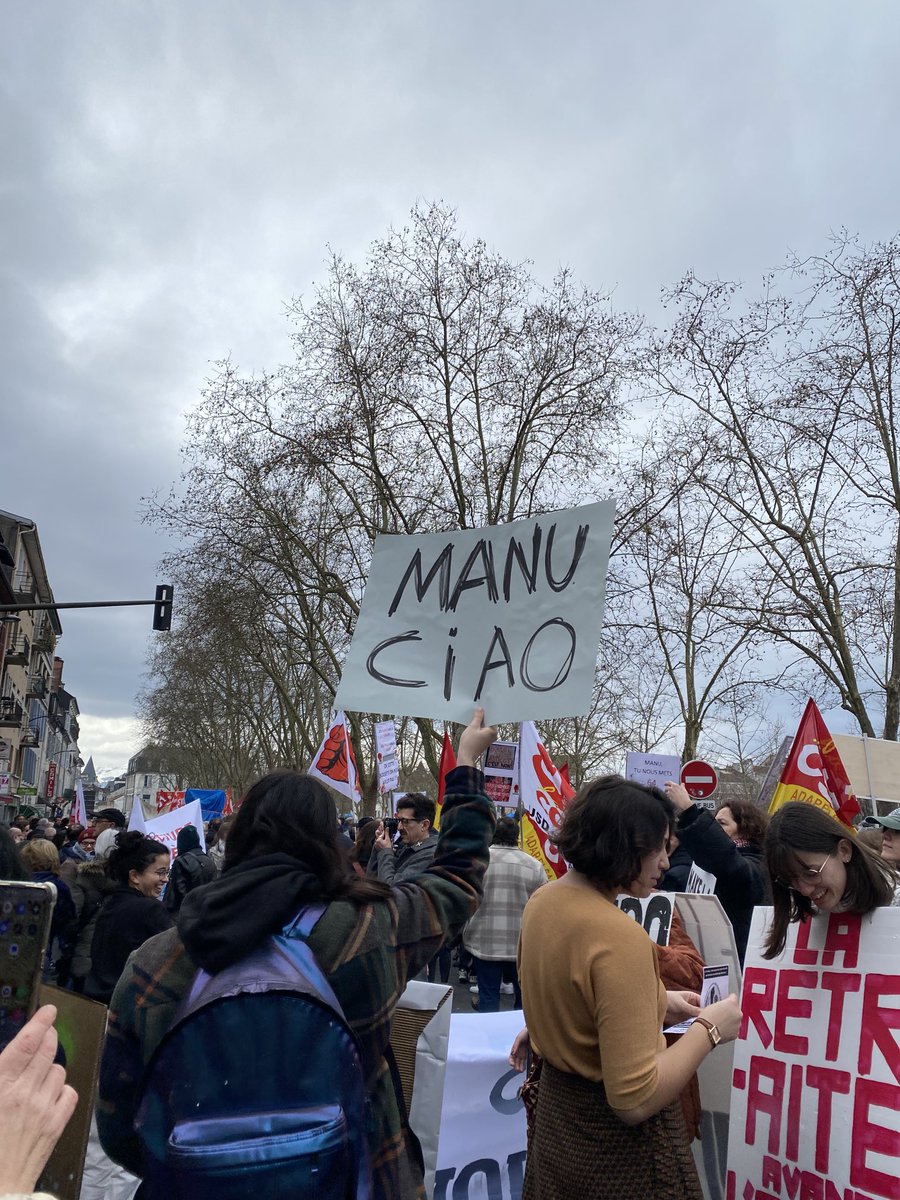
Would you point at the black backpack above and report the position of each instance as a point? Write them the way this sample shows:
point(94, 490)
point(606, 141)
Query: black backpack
point(257, 1090)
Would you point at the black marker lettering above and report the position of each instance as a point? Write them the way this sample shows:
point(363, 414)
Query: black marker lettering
point(441, 564)
point(449, 664)
point(580, 540)
point(485, 551)
point(515, 552)
point(562, 674)
point(490, 665)
point(411, 635)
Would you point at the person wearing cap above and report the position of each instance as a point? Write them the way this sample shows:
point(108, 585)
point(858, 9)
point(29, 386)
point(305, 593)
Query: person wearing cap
point(108, 818)
point(890, 845)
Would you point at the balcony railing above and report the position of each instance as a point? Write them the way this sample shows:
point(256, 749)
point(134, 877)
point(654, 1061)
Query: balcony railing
point(37, 686)
point(11, 712)
point(17, 654)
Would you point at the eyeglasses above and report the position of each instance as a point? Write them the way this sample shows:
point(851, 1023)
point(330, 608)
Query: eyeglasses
point(806, 874)
point(164, 873)
point(408, 821)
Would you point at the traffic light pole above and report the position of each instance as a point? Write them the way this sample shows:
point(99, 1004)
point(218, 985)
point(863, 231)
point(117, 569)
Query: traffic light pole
point(162, 606)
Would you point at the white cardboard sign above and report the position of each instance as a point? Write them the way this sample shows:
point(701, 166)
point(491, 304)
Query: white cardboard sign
point(507, 616)
point(654, 770)
point(816, 1096)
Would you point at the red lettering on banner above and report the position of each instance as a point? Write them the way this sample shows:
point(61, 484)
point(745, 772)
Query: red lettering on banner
point(792, 1176)
point(838, 985)
point(842, 938)
point(826, 1081)
point(767, 1103)
point(867, 1137)
point(811, 1187)
point(771, 1173)
point(802, 953)
point(758, 998)
point(878, 1022)
point(792, 1141)
point(788, 1007)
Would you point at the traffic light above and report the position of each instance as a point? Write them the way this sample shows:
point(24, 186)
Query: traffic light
point(162, 608)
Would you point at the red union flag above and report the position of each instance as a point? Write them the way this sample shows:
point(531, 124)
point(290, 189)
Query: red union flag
point(447, 764)
point(814, 772)
point(334, 762)
point(544, 795)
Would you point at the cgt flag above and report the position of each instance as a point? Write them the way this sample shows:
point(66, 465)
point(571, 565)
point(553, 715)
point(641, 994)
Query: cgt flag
point(544, 795)
point(334, 762)
point(447, 763)
point(814, 772)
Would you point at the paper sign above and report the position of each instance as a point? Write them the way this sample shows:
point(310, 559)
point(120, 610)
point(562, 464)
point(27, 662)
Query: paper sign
point(653, 913)
point(652, 769)
point(165, 827)
point(815, 1107)
point(713, 989)
point(700, 883)
point(386, 756)
point(501, 774)
point(508, 617)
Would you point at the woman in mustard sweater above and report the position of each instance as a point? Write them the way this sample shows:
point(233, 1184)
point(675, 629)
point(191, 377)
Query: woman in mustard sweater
point(608, 1124)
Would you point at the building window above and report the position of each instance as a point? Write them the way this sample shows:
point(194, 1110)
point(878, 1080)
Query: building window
point(29, 767)
point(146, 781)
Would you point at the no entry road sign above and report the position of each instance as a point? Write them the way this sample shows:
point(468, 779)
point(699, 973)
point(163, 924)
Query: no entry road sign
point(699, 778)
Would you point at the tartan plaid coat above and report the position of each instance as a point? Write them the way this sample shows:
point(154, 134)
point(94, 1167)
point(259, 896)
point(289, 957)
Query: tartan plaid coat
point(367, 951)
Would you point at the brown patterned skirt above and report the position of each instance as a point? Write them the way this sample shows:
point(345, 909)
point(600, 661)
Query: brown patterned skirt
point(581, 1149)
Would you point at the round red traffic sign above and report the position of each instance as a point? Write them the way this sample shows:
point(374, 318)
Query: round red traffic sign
point(699, 778)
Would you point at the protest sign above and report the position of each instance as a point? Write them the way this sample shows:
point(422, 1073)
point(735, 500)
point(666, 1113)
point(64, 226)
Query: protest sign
point(165, 827)
point(212, 801)
point(386, 756)
point(81, 1028)
point(544, 795)
point(816, 1100)
point(653, 913)
point(700, 882)
point(501, 775)
point(481, 1154)
point(508, 617)
point(168, 801)
point(652, 769)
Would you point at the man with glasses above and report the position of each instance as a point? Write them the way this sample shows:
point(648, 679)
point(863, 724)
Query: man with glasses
point(418, 842)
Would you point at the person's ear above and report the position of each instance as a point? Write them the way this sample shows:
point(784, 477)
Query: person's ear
point(845, 850)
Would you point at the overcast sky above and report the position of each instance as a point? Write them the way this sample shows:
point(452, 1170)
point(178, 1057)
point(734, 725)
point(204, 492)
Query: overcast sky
point(172, 172)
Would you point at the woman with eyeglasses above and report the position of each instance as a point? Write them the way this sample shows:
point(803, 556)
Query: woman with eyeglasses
point(132, 913)
point(817, 865)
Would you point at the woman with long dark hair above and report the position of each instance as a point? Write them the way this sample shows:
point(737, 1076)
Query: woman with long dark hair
point(132, 913)
point(608, 1123)
point(818, 865)
point(282, 856)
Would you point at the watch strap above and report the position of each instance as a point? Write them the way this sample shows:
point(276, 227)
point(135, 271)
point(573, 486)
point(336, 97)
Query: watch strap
point(712, 1031)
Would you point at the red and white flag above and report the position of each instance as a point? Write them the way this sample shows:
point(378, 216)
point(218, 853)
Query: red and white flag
point(545, 793)
point(334, 762)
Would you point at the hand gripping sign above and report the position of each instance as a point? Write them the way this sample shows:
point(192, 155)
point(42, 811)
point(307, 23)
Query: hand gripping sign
point(507, 617)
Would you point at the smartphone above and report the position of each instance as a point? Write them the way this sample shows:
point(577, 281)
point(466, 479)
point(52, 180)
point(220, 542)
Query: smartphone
point(26, 910)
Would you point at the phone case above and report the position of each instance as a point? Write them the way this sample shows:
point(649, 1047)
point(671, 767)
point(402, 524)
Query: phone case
point(26, 910)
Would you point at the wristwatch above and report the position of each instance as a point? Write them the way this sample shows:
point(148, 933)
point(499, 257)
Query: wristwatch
point(712, 1031)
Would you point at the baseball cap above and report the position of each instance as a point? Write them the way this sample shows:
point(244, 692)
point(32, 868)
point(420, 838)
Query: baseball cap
point(110, 814)
point(891, 821)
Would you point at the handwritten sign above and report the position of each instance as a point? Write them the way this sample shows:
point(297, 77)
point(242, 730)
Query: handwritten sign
point(653, 770)
point(815, 1107)
point(653, 913)
point(507, 617)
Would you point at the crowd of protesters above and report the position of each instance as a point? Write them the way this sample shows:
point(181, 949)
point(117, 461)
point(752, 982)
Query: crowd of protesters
point(612, 1104)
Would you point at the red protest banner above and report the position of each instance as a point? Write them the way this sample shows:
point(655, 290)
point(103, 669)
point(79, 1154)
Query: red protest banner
point(814, 772)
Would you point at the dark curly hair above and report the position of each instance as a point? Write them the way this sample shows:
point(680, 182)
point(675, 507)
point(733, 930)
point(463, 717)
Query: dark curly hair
point(751, 820)
point(423, 807)
point(288, 812)
point(133, 851)
point(610, 826)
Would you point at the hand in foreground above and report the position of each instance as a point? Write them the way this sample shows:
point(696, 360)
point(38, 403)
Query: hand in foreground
point(726, 1016)
point(680, 1006)
point(518, 1054)
point(37, 1103)
point(475, 739)
point(677, 793)
point(383, 841)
